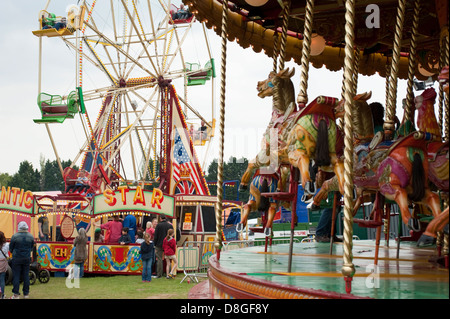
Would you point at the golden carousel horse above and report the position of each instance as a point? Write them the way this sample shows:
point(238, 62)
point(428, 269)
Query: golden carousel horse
point(310, 133)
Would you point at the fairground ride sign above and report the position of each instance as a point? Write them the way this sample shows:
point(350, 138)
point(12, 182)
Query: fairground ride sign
point(126, 199)
point(16, 199)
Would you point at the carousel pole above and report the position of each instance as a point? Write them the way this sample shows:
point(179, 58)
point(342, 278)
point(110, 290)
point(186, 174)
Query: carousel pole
point(446, 129)
point(412, 64)
point(218, 243)
point(302, 97)
point(286, 10)
point(389, 124)
point(441, 100)
point(348, 269)
point(275, 50)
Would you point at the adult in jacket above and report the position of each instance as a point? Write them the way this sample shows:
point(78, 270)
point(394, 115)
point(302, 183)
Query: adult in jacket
point(21, 245)
point(160, 233)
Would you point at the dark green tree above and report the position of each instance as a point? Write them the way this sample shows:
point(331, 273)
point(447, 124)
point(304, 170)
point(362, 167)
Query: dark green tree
point(27, 177)
point(51, 178)
point(232, 172)
point(5, 179)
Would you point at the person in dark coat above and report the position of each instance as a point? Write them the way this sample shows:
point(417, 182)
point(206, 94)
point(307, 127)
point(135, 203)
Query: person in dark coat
point(147, 252)
point(160, 233)
point(20, 246)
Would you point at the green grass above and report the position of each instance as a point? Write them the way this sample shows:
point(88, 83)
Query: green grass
point(110, 287)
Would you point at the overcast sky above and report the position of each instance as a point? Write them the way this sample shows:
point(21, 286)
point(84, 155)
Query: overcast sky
point(246, 114)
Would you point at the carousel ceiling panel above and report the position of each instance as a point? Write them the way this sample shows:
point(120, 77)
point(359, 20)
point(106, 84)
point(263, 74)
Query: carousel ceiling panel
point(254, 26)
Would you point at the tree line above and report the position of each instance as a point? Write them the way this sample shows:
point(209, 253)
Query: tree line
point(48, 177)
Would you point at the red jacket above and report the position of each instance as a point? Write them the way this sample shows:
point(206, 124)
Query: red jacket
point(169, 246)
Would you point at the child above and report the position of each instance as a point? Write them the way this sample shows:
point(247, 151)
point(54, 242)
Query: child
point(98, 237)
point(147, 255)
point(125, 239)
point(140, 237)
point(169, 247)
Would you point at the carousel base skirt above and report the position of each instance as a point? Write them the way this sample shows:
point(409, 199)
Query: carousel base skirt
point(253, 273)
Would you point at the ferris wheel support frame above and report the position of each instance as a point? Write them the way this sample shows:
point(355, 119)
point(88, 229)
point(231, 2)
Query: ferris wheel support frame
point(118, 67)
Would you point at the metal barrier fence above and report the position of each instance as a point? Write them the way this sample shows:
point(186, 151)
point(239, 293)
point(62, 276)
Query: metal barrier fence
point(193, 256)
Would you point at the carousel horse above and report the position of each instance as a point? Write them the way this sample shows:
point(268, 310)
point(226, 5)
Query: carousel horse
point(261, 184)
point(438, 156)
point(398, 170)
point(438, 223)
point(302, 136)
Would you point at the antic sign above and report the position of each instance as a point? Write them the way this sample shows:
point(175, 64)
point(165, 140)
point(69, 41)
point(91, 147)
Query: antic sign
point(16, 199)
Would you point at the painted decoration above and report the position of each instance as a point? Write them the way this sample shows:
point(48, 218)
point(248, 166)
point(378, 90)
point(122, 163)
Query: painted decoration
point(125, 199)
point(16, 199)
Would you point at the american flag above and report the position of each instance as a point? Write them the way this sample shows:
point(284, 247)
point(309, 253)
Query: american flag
point(182, 162)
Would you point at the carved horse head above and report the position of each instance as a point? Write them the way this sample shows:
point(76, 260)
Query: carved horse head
point(280, 87)
point(363, 128)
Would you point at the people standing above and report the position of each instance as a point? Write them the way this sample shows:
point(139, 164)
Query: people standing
point(125, 238)
point(139, 236)
point(147, 255)
point(160, 233)
point(130, 222)
point(151, 226)
point(115, 228)
point(170, 248)
point(80, 254)
point(44, 229)
point(20, 246)
point(4, 248)
point(98, 237)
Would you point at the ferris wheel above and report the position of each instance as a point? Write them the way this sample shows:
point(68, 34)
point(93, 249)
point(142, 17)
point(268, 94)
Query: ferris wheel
point(124, 50)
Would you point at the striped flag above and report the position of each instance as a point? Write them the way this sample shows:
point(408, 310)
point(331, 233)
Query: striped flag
point(184, 168)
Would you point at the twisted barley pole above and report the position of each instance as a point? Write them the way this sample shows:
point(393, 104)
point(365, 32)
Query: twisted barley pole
point(389, 125)
point(286, 10)
point(302, 97)
point(441, 88)
point(412, 63)
point(446, 103)
point(348, 269)
point(218, 243)
point(275, 51)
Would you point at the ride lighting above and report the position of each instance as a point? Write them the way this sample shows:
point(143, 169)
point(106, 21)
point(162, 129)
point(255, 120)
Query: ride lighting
point(317, 44)
point(256, 3)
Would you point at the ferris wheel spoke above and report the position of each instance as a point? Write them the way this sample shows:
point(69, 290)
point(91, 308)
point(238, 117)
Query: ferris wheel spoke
point(100, 64)
point(137, 33)
point(119, 49)
point(180, 43)
point(126, 135)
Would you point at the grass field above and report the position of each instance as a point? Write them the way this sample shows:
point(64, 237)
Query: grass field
point(109, 287)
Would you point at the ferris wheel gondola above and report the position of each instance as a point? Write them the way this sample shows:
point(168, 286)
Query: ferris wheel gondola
point(126, 49)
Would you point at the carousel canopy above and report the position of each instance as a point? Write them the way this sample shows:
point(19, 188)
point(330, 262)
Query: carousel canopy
point(252, 23)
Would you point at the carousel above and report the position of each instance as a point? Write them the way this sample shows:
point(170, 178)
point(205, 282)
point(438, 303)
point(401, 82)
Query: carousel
point(399, 164)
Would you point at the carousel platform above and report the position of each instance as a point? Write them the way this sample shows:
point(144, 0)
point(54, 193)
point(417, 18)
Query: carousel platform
point(253, 273)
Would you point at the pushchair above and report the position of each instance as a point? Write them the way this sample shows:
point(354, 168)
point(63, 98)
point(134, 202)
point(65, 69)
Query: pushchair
point(36, 272)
